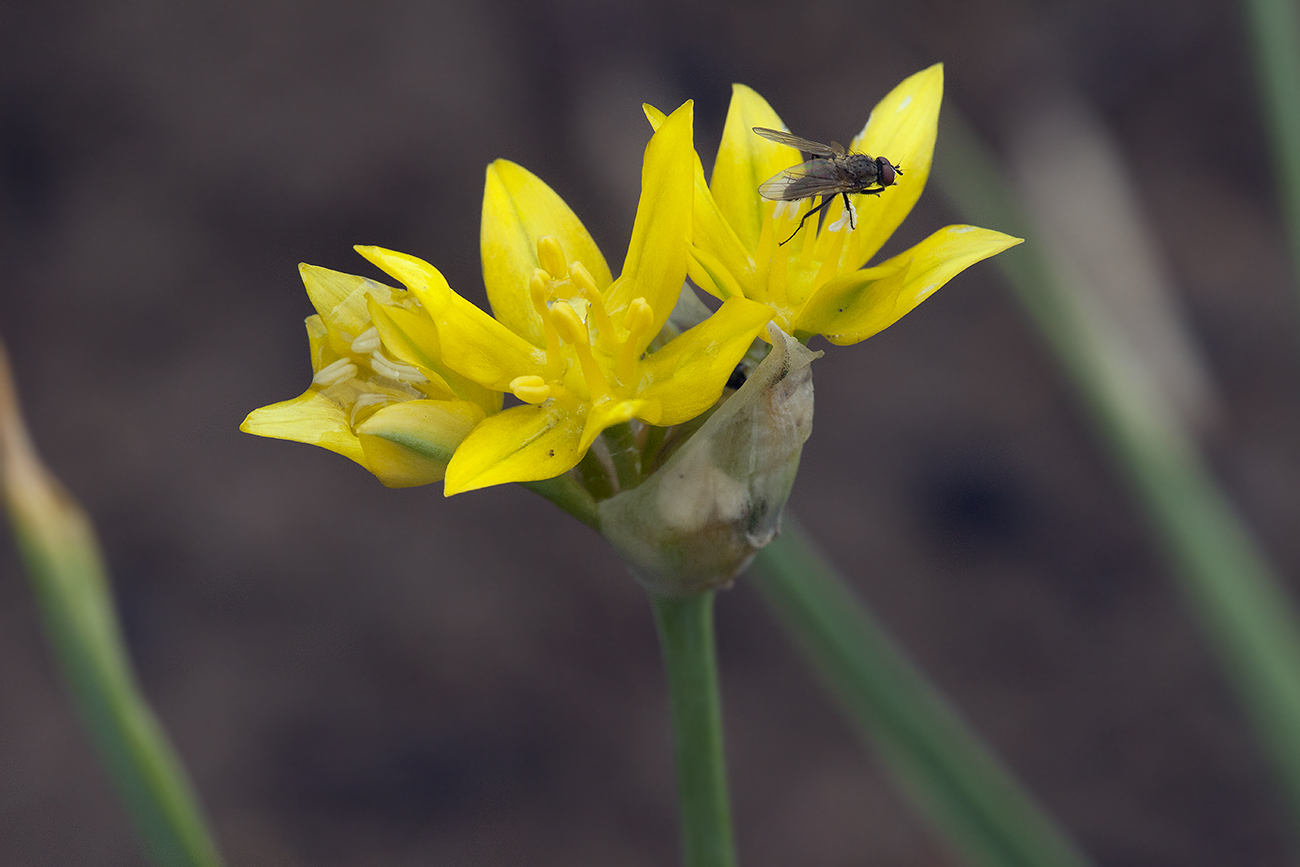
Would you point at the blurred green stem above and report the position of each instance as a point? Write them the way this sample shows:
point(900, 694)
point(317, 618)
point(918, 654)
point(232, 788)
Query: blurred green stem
point(686, 636)
point(1229, 584)
point(956, 781)
point(67, 573)
point(1275, 32)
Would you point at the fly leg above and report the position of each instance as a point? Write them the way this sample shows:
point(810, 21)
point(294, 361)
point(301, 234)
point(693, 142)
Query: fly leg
point(825, 201)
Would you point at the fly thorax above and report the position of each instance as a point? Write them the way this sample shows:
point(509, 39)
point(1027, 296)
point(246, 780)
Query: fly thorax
point(862, 168)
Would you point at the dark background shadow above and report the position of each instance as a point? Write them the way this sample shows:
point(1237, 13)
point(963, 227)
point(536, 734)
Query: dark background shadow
point(362, 676)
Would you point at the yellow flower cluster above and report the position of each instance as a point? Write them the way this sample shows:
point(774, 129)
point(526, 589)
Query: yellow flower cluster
point(411, 383)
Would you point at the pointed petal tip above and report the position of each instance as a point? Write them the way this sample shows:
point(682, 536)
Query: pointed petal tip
point(654, 115)
point(500, 167)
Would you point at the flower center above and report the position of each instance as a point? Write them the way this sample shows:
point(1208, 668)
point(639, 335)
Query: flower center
point(589, 358)
point(364, 380)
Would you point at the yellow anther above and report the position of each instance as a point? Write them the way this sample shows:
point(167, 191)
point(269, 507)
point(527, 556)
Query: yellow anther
point(530, 389)
point(551, 256)
point(638, 319)
point(539, 291)
point(580, 279)
point(570, 325)
point(574, 331)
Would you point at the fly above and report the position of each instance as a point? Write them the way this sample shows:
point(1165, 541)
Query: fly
point(831, 172)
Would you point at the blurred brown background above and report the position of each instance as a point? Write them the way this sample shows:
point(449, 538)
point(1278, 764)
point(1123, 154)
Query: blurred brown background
point(362, 676)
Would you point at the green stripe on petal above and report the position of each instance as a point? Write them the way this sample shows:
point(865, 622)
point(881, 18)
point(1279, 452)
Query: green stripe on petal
point(473, 343)
point(902, 128)
point(519, 208)
point(410, 443)
point(655, 267)
point(522, 444)
point(688, 375)
point(855, 306)
point(745, 160)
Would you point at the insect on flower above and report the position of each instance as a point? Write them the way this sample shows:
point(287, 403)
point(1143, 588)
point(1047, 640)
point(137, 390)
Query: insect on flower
point(831, 172)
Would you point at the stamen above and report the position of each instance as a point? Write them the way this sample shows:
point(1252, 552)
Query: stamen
point(583, 282)
point(551, 256)
point(384, 366)
point(530, 389)
point(334, 373)
point(368, 342)
point(539, 292)
point(365, 401)
point(638, 320)
point(574, 331)
point(848, 218)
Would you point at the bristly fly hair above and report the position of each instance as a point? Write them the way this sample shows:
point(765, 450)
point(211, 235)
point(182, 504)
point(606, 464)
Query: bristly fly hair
point(831, 172)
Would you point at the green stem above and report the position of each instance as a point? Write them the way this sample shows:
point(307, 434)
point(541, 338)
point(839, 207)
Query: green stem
point(624, 454)
point(570, 495)
point(594, 477)
point(1275, 28)
point(947, 771)
point(686, 635)
point(67, 573)
point(1241, 601)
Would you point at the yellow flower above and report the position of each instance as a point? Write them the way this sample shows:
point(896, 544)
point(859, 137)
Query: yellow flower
point(399, 417)
point(571, 343)
point(815, 283)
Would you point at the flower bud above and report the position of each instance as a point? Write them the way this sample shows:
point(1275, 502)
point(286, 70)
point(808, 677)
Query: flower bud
point(696, 522)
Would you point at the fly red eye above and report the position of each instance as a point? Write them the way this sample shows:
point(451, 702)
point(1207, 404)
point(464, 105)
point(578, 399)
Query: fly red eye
point(886, 172)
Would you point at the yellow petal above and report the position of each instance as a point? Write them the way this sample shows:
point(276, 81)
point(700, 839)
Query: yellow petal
point(711, 274)
point(719, 263)
point(472, 342)
point(518, 208)
point(687, 376)
point(745, 160)
point(340, 298)
point(522, 444)
point(309, 418)
point(410, 443)
point(901, 128)
point(615, 412)
point(413, 338)
point(855, 306)
point(655, 267)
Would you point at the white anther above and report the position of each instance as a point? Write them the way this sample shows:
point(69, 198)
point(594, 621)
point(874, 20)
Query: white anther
point(394, 370)
point(332, 374)
point(368, 342)
point(365, 401)
point(848, 218)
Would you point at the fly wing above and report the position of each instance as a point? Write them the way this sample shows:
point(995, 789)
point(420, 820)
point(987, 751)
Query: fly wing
point(813, 178)
point(803, 144)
